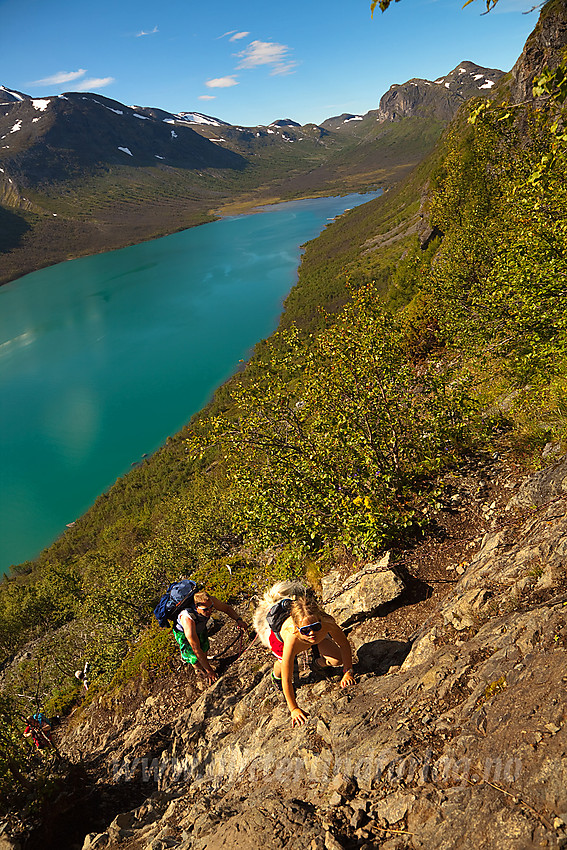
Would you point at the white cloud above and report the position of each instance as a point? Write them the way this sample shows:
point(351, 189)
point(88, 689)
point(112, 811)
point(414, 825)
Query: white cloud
point(221, 83)
point(238, 35)
point(224, 35)
point(283, 68)
point(207, 97)
point(147, 32)
point(94, 83)
point(59, 77)
point(265, 53)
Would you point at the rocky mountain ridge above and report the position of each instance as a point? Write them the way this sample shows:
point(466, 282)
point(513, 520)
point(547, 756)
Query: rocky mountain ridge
point(51, 139)
point(438, 99)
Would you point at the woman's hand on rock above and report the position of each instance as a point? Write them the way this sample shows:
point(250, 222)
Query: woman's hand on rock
point(348, 680)
point(298, 717)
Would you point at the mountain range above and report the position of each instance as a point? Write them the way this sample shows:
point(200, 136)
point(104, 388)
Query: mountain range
point(82, 173)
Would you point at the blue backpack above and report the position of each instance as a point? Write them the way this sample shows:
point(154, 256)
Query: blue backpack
point(41, 718)
point(178, 596)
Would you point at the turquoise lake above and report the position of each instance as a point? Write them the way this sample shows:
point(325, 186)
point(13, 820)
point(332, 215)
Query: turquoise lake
point(102, 358)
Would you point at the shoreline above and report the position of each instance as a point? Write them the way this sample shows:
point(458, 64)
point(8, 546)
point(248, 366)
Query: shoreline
point(231, 208)
point(225, 211)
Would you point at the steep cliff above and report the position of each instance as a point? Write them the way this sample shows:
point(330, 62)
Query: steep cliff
point(439, 99)
point(544, 47)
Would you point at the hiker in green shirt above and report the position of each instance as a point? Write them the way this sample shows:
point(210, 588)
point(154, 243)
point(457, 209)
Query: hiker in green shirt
point(190, 630)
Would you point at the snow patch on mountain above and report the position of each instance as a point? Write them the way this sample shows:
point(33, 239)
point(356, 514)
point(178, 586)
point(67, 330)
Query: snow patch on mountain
point(199, 118)
point(125, 150)
point(40, 105)
point(13, 94)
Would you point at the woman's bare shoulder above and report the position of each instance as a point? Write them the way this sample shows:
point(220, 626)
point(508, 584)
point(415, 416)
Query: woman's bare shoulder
point(287, 629)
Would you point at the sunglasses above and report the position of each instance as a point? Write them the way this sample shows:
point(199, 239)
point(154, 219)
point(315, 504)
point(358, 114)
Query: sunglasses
point(307, 630)
point(206, 609)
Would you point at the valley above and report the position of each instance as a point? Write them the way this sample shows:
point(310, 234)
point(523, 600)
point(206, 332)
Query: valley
point(81, 174)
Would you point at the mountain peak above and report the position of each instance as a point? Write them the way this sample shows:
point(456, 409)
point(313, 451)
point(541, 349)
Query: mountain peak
point(11, 96)
point(284, 122)
point(438, 98)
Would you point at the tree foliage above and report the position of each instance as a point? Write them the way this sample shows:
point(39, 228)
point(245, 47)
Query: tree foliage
point(384, 4)
point(330, 442)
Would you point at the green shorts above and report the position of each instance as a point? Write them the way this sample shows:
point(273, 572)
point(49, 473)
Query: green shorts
point(187, 653)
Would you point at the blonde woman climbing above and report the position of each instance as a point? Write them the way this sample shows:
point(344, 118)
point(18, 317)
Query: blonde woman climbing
point(289, 621)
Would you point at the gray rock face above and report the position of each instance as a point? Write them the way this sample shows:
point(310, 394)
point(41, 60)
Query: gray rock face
point(363, 593)
point(543, 487)
point(440, 98)
point(544, 47)
point(462, 746)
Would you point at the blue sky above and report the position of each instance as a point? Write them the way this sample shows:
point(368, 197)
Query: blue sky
point(249, 62)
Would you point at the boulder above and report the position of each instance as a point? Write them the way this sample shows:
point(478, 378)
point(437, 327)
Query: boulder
point(362, 593)
point(393, 808)
point(542, 487)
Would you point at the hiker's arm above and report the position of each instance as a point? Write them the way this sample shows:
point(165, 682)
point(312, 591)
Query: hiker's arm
point(229, 610)
point(298, 716)
point(342, 642)
point(193, 638)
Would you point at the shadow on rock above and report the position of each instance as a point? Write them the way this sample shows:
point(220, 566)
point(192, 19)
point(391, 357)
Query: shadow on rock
point(378, 656)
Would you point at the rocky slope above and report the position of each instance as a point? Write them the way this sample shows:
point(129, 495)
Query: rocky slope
point(544, 47)
point(454, 737)
point(439, 99)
